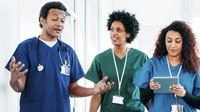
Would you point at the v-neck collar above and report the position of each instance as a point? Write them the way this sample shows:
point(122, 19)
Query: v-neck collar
point(121, 59)
point(173, 67)
point(41, 43)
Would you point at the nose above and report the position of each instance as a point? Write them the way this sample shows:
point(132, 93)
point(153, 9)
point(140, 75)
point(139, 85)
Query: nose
point(173, 44)
point(60, 23)
point(113, 32)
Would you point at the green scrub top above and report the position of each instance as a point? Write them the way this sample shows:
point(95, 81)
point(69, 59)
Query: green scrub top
point(103, 65)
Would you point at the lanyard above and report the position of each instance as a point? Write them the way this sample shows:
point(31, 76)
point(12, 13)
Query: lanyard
point(176, 76)
point(119, 81)
point(170, 73)
point(64, 60)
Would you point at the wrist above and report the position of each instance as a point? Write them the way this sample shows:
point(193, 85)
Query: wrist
point(93, 91)
point(183, 94)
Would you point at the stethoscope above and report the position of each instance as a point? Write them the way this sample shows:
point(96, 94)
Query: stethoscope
point(65, 66)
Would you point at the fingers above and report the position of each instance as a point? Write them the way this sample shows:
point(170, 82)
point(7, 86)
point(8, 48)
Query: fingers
point(12, 63)
point(104, 79)
point(16, 68)
point(102, 87)
point(24, 72)
point(154, 85)
point(178, 90)
point(109, 86)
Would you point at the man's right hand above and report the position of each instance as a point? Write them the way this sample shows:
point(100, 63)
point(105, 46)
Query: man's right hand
point(18, 78)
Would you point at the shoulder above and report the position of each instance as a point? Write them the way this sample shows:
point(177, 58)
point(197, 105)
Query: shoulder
point(104, 54)
point(156, 60)
point(69, 48)
point(137, 52)
point(28, 42)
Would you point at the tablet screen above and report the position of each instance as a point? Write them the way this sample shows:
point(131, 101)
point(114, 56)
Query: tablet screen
point(165, 83)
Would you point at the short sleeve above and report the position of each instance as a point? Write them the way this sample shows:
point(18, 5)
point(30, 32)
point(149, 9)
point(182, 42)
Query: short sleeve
point(94, 73)
point(196, 90)
point(76, 71)
point(144, 75)
point(20, 54)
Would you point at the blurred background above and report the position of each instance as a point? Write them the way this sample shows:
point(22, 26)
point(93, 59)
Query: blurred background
point(86, 31)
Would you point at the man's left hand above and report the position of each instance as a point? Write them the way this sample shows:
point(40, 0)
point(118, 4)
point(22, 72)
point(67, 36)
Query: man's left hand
point(102, 87)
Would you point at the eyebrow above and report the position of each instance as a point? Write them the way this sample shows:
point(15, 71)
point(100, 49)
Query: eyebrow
point(175, 38)
point(57, 15)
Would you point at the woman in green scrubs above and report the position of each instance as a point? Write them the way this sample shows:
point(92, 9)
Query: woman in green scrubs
point(121, 65)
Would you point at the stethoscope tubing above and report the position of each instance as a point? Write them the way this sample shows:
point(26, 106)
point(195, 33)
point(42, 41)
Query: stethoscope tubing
point(40, 67)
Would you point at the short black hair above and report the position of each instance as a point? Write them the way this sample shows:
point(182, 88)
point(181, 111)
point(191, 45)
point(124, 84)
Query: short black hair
point(128, 20)
point(50, 5)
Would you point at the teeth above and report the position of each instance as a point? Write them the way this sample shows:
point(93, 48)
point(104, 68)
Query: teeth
point(114, 38)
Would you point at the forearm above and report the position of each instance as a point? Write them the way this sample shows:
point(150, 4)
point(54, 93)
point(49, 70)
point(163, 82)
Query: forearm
point(146, 95)
point(80, 91)
point(95, 102)
point(192, 100)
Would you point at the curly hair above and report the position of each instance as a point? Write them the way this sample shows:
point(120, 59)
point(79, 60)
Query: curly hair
point(189, 55)
point(128, 20)
point(50, 5)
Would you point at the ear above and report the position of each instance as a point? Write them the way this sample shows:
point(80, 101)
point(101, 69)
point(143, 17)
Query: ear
point(42, 21)
point(128, 35)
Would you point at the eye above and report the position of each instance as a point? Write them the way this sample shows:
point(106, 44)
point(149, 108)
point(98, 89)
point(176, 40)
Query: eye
point(178, 41)
point(54, 19)
point(169, 40)
point(111, 29)
point(119, 30)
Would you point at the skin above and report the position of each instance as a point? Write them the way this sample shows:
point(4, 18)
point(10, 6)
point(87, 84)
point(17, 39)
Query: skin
point(118, 38)
point(174, 44)
point(52, 28)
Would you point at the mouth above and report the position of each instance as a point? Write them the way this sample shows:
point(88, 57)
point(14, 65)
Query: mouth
point(113, 38)
point(58, 30)
point(173, 50)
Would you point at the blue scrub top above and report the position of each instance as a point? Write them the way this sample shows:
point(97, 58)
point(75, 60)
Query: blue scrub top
point(158, 67)
point(47, 90)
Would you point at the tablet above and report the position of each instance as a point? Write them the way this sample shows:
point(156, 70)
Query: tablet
point(165, 83)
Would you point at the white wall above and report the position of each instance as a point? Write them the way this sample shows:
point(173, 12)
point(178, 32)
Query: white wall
point(88, 33)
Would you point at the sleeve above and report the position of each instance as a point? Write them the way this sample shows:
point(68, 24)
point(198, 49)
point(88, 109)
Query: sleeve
point(146, 95)
point(194, 98)
point(76, 71)
point(94, 73)
point(143, 77)
point(20, 54)
point(196, 90)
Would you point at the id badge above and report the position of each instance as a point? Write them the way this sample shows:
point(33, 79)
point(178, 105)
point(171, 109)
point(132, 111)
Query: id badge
point(177, 108)
point(64, 70)
point(118, 100)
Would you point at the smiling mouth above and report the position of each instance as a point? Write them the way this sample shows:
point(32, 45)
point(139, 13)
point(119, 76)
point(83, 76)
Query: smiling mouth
point(114, 39)
point(173, 50)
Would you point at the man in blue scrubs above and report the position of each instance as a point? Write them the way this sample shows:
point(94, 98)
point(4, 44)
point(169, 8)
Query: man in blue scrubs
point(45, 70)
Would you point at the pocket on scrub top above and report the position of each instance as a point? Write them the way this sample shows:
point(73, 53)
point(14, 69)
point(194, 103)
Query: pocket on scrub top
point(65, 80)
point(30, 107)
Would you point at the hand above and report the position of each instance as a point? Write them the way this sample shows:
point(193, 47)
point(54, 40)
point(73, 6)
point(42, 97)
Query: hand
point(15, 70)
point(101, 86)
point(178, 90)
point(154, 85)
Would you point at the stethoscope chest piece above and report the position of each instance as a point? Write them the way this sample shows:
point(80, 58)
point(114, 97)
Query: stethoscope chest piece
point(40, 67)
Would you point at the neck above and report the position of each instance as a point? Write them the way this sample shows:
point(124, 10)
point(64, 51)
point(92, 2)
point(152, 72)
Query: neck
point(46, 37)
point(120, 51)
point(174, 60)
